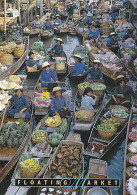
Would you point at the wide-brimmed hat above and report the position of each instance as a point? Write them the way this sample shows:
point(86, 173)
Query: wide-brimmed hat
point(121, 78)
point(19, 87)
point(59, 39)
point(15, 79)
point(45, 64)
point(77, 56)
point(37, 16)
point(57, 15)
point(2, 96)
point(2, 106)
point(58, 89)
point(111, 34)
point(89, 14)
point(96, 62)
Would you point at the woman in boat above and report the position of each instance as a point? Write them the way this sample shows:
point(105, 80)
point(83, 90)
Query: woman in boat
point(88, 20)
point(47, 77)
point(79, 67)
point(58, 48)
point(59, 104)
point(94, 35)
point(123, 93)
point(75, 5)
point(114, 15)
point(94, 73)
point(88, 99)
point(19, 103)
point(47, 25)
point(37, 23)
point(111, 42)
point(57, 20)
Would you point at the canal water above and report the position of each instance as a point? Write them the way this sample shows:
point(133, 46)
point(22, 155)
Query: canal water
point(115, 157)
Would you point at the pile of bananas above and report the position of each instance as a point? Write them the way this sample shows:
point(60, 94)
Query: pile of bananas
point(38, 136)
point(29, 163)
point(53, 121)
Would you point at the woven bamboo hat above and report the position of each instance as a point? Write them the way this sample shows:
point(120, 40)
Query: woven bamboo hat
point(77, 56)
point(96, 62)
point(58, 89)
point(113, 33)
point(59, 39)
point(45, 64)
point(121, 78)
point(19, 87)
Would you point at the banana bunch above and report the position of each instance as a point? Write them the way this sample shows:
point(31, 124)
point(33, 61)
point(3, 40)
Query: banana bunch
point(38, 136)
point(29, 163)
point(53, 121)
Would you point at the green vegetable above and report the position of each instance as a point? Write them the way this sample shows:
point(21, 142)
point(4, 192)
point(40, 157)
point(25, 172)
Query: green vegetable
point(120, 113)
point(54, 141)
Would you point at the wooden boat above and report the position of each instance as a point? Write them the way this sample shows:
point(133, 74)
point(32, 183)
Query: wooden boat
point(61, 29)
point(82, 31)
point(97, 146)
point(10, 156)
point(86, 126)
point(98, 170)
point(17, 64)
point(61, 9)
point(108, 67)
point(54, 158)
point(45, 34)
point(131, 137)
point(10, 20)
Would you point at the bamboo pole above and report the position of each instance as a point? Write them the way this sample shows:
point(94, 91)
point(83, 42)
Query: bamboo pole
point(19, 12)
point(5, 16)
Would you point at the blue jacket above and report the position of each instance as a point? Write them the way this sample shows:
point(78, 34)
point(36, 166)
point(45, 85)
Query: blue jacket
point(110, 42)
point(94, 75)
point(19, 103)
point(57, 21)
point(78, 69)
point(58, 50)
point(31, 62)
point(47, 77)
point(94, 35)
point(57, 104)
point(88, 20)
point(114, 16)
point(48, 26)
point(75, 7)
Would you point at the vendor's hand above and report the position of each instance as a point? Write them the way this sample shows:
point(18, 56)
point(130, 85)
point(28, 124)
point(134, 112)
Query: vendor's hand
point(80, 75)
point(21, 112)
point(56, 113)
point(65, 108)
point(120, 95)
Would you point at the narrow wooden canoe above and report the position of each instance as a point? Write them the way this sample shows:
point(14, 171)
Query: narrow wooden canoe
point(60, 30)
point(9, 156)
point(97, 146)
point(45, 34)
point(86, 126)
point(82, 31)
point(12, 69)
point(31, 32)
point(98, 170)
point(128, 167)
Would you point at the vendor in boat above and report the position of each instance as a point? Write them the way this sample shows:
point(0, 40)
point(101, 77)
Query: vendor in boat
point(88, 20)
point(114, 15)
point(19, 103)
point(59, 104)
point(70, 8)
point(31, 62)
point(94, 35)
point(47, 77)
point(79, 67)
point(47, 25)
point(57, 20)
point(87, 7)
point(58, 48)
point(37, 23)
point(94, 74)
point(111, 42)
point(75, 5)
point(123, 93)
point(88, 99)
point(81, 23)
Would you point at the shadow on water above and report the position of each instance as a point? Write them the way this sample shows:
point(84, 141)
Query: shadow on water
point(114, 158)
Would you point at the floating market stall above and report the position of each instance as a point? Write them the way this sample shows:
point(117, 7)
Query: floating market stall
point(130, 157)
point(9, 21)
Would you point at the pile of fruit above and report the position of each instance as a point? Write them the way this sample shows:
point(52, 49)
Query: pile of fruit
point(98, 87)
point(63, 127)
point(53, 121)
point(55, 138)
point(38, 46)
point(38, 136)
point(85, 85)
point(108, 125)
point(120, 113)
point(12, 135)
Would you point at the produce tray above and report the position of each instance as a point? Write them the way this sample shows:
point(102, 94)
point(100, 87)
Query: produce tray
point(129, 157)
point(128, 171)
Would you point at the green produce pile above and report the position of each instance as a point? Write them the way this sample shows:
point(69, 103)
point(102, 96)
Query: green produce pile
point(38, 46)
point(108, 125)
point(39, 136)
point(63, 127)
point(120, 113)
point(98, 87)
point(42, 53)
point(43, 98)
point(55, 138)
point(12, 135)
point(85, 85)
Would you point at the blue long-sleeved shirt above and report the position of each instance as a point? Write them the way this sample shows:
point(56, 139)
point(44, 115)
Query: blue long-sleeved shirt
point(58, 50)
point(57, 21)
point(94, 35)
point(57, 104)
point(114, 16)
point(75, 7)
point(19, 103)
point(94, 75)
point(78, 69)
point(48, 26)
point(31, 62)
point(47, 77)
point(88, 20)
point(110, 42)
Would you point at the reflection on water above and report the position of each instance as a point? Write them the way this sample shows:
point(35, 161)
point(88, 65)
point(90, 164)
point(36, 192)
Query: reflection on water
point(115, 156)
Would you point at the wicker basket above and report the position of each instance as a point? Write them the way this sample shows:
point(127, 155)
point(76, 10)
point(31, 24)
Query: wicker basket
point(128, 146)
point(28, 172)
point(6, 58)
point(121, 120)
point(106, 135)
point(86, 115)
point(97, 92)
point(129, 155)
point(19, 51)
point(128, 171)
point(32, 69)
point(133, 136)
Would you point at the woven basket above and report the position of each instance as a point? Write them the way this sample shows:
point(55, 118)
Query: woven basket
point(19, 51)
point(133, 136)
point(32, 69)
point(129, 155)
point(87, 115)
point(106, 135)
point(6, 58)
point(97, 92)
point(128, 171)
point(129, 146)
point(28, 172)
point(121, 120)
